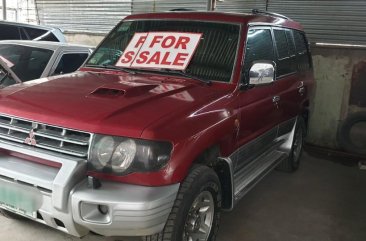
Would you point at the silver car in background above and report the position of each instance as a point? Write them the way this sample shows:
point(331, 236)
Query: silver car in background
point(27, 60)
point(23, 31)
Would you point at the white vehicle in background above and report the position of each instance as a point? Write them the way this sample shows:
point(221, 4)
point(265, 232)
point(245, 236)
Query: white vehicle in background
point(23, 31)
point(22, 60)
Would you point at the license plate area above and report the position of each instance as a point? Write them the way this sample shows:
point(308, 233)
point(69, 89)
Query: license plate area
point(19, 198)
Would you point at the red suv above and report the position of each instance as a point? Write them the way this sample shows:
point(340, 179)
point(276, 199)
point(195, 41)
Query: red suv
point(174, 117)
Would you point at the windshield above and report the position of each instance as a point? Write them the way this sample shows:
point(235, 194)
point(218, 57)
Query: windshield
point(210, 54)
point(27, 63)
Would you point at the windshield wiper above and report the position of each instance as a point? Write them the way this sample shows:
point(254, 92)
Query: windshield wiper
point(184, 74)
point(109, 66)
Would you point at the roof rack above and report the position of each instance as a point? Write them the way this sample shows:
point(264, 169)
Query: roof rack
point(261, 12)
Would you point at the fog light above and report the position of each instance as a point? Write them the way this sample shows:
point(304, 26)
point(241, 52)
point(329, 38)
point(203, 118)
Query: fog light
point(103, 209)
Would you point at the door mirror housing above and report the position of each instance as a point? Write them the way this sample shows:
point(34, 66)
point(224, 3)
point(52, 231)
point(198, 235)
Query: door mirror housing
point(261, 73)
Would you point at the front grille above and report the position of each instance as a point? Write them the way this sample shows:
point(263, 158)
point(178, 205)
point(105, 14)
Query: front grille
point(47, 137)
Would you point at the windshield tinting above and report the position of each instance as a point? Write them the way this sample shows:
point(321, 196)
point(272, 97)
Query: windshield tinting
point(213, 59)
point(29, 62)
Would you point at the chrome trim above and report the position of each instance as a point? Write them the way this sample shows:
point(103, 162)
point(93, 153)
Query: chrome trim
point(53, 138)
point(134, 210)
point(71, 172)
point(256, 166)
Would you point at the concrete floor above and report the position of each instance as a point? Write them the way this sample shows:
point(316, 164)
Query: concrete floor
point(323, 201)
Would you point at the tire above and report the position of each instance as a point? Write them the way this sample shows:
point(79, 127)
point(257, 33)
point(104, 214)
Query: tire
point(201, 186)
point(344, 131)
point(292, 163)
point(11, 215)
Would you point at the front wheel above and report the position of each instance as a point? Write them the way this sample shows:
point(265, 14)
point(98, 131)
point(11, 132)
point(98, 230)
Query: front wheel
point(195, 215)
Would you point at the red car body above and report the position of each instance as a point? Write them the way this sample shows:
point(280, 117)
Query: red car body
point(191, 115)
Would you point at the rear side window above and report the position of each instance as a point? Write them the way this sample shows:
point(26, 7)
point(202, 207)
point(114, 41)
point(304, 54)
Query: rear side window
point(34, 32)
point(50, 37)
point(259, 47)
point(70, 63)
point(302, 50)
point(286, 59)
point(8, 32)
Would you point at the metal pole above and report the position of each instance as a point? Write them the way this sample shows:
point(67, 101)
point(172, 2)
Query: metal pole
point(267, 2)
point(4, 9)
point(211, 5)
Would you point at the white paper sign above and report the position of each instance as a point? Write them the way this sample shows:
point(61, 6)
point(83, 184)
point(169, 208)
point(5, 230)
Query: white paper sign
point(171, 50)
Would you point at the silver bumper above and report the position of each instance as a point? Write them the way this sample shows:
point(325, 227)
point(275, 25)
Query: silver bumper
point(61, 199)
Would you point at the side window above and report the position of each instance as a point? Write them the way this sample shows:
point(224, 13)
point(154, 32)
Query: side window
point(286, 62)
point(34, 32)
point(23, 35)
point(259, 47)
point(50, 37)
point(303, 56)
point(9, 32)
point(70, 63)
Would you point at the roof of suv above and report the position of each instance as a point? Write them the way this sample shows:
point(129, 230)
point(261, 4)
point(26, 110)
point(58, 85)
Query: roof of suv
point(259, 18)
point(26, 25)
point(43, 44)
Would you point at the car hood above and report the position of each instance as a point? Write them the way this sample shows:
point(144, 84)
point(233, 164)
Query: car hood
point(104, 103)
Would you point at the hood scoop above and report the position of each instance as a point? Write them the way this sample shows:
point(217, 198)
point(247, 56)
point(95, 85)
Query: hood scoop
point(117, 90)
point(108, 92)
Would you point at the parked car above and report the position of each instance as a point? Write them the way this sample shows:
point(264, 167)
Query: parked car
point(30, 60)
point(23, 31)
point(174, 116)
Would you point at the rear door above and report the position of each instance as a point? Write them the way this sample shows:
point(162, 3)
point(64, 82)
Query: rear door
point(288, 81)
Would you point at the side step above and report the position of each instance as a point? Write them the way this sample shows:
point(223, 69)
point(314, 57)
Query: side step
point(246, 178)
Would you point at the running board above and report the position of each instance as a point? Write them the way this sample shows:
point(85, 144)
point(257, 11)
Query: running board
point(246, 178)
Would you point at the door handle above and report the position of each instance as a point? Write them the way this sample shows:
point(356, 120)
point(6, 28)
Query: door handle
point(301, 88)
point(275, 99)
point(301, 85)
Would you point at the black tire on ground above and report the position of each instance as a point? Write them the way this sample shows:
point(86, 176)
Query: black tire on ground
point(344, 133)
point(292, 163)
point(11, 215)
point(200, 180)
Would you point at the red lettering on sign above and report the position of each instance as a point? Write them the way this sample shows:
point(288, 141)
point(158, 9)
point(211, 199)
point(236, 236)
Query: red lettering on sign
point(168, 42)
point(155, 40)
point(143, 56)
point(180, 58)
point(165, 59)
point(182, 41)
point(140, 41)
point(155, 59)
point(128, 57)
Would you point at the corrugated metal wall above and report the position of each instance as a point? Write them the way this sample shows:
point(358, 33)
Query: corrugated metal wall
point(143, 6)
point(83, 15)
point(337, 21)
point(242, 6)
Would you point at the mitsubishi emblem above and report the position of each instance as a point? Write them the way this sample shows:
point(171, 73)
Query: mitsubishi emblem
point(30, 140)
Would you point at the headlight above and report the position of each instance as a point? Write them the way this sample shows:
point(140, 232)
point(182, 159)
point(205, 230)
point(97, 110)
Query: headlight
point(119, 155)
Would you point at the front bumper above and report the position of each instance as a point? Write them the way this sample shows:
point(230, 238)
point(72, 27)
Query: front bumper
point(61, 198)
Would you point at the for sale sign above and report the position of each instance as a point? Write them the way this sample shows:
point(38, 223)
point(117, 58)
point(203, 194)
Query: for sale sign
point(171, 50)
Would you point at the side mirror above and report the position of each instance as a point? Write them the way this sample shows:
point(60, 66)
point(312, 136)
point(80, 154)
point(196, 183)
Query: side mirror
point(261, 73)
